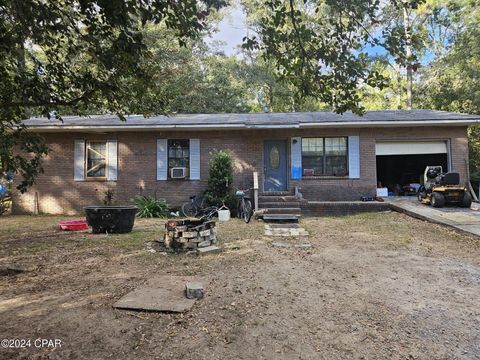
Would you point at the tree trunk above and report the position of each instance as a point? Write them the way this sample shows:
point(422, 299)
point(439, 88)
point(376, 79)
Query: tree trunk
point(399, 88)
point(21, 59)
point(408, 53)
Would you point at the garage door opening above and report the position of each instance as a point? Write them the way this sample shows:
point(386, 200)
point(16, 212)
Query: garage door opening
point(400, 165)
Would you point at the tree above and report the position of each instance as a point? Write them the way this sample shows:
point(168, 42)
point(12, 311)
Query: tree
point(75, 56)
point(451, 82)
point(400, 29)
point(407, 8)
point(270, 94)
point(219, 86)
point(315, 46)
point(390, 97)
point(220, 179)
point(412, 33)
point(198, 78)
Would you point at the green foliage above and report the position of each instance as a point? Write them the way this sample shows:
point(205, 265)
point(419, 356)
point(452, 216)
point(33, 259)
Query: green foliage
point(210, 82)
point(26, 161)
point(217, 86)
point(73, 57)
point(450, 82)
point(151, 207)
point(108, 198)
point(316, 47)
point(148, 57)
point(474, 152)
point(434, 27)
point(220, 179)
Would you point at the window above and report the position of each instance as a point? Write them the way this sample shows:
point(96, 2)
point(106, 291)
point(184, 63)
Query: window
point(178, 154)
point(324, 156)
point(96, 159)
point(274, 158)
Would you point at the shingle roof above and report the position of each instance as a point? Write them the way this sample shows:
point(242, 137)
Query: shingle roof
point(256, 120)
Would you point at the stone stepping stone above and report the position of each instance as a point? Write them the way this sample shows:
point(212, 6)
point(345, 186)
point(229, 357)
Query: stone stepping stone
point(282, 226)
point(208, 250)
point(161, 293)
point(194, 290)
point(285, 231)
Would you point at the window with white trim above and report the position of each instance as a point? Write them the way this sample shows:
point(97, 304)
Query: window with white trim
point(178, 155)
point(325, 156)
point(96, 159)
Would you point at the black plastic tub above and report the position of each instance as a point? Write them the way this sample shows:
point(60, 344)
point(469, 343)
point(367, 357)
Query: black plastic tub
point(111, 219)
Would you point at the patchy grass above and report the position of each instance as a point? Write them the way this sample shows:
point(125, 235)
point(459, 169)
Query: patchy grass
point(377, 285)
point(37, 234)
point(392, 228)
point(23, 225)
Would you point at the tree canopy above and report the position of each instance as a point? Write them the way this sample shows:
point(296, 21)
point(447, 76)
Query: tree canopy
point(151, 57)
point(76, 56)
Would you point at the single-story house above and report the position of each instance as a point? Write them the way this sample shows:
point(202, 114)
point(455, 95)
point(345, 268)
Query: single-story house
point(330, 157)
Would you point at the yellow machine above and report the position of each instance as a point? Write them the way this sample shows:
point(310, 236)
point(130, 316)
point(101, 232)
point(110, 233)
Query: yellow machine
point(443, 188)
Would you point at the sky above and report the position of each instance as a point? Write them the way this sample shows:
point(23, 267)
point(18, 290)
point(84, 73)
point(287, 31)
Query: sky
point(231, 30)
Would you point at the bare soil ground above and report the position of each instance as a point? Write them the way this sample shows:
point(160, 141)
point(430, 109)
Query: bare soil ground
point(373, 286)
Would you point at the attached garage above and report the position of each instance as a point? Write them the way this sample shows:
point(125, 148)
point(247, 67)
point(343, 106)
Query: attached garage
point(400, 164)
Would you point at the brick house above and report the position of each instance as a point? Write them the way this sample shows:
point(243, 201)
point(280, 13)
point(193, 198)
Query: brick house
point(329, 156)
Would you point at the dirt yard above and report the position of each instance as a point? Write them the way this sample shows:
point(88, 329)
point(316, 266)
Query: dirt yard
point(373, 286)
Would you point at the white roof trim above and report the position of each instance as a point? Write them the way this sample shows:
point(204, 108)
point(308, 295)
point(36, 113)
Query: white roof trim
point(352, 124)
point(393, 123)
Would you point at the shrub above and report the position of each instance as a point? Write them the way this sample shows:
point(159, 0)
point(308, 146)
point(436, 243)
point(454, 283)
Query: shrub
point(5, 204)
point(108, 199)
point(151, 207)
point(220, 180)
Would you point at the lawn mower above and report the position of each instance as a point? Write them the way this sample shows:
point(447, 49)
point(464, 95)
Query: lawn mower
point(441, 188)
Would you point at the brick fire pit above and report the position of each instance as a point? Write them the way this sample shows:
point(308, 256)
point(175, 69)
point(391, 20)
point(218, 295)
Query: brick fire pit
point(189, 234)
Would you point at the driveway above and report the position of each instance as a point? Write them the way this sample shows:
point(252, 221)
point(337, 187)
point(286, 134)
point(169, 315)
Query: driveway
point(466, 220)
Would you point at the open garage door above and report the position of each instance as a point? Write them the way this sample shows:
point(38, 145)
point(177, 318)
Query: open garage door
point(400, 164)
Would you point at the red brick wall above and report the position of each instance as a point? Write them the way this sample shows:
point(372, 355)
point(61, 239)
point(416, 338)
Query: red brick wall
point(59, 193)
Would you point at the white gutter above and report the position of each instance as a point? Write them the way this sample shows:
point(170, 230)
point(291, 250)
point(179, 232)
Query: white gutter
point(392, 123)
point(126, 127)
point(289, 126)
point(349, 124)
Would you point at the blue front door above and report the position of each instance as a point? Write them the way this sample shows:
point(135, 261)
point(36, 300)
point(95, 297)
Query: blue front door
point(275, 165)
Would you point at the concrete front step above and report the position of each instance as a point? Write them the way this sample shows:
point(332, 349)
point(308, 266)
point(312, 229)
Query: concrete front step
point(276, 193)
point(286, 204)
point(294, 211)
point(276, 198)
point(280, 218)
point(280, 207)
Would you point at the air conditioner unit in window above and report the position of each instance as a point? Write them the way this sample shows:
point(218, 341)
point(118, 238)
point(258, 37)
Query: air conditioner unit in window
point(178, 172)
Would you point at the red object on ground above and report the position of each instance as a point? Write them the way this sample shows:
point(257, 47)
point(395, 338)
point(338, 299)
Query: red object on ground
point(73, 225)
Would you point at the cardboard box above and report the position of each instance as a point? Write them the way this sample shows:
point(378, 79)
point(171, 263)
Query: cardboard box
point(382, 192)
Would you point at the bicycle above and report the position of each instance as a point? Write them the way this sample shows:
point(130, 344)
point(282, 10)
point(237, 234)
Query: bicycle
point(209, 212)
point(245, 209)
point(196, 208)
point(193, 207)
